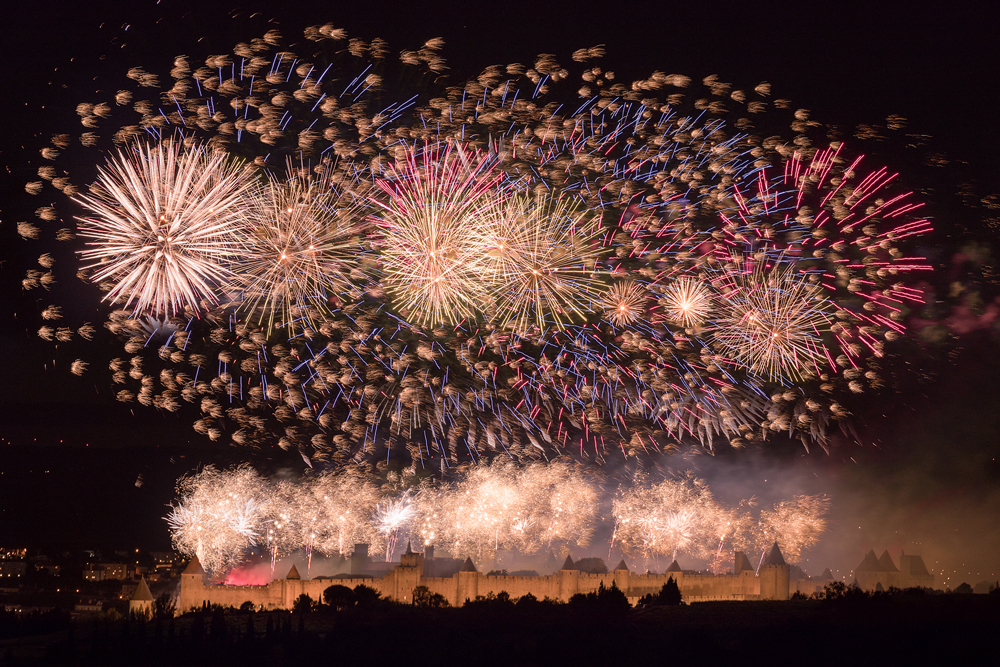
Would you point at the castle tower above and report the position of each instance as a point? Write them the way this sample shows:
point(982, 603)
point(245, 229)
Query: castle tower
point(291, 587)
point(774, 576)
point(569, 579)
point(412, 560)
point(429, 565)
point(141, 603)
point(407, 574)
point(192, 586)
point(888, 570)
point(741, 563)
point(869, 572)
point(468, 582)
point(913, 572)
point(621, 576)
point(360, 559)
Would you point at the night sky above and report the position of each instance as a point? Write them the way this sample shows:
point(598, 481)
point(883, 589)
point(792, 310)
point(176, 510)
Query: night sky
point(924, 477)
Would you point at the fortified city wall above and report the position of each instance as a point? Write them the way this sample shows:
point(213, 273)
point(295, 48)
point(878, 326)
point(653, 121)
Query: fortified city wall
point(772, 583)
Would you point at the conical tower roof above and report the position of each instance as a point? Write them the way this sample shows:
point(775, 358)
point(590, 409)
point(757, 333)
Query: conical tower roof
point(885, 563)
point(774, 557)
point(826, 575)
point(409, 549)
point(142, 593)
point(621, 566)
point(674, 567)
point(194, 567)
point(468, 566)
point(293, 573)
point(741, 563)
point(915, 565)
point(869, 564)
point(568, 564)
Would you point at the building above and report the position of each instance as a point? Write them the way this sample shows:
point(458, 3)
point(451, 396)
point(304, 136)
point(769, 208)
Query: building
point(414, 569)
point(12, 572)
point(881, 573)
point(105, 571)
point(141, 602)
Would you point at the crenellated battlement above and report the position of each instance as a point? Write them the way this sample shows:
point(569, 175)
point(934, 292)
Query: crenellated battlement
point(397, 583)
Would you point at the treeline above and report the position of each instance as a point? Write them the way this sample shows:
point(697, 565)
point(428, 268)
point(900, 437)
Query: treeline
point(594, 628)
point(838, 591)
point(35, 622)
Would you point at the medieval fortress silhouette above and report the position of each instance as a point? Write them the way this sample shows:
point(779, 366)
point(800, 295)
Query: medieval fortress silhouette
point(397, 581)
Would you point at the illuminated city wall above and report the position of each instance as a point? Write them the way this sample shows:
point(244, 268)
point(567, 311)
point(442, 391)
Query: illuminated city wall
point(774, 583)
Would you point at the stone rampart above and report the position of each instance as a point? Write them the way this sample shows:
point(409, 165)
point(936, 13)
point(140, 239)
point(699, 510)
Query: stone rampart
point(399, 582)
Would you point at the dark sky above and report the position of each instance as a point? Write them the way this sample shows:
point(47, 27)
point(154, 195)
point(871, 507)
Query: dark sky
point(847, 62)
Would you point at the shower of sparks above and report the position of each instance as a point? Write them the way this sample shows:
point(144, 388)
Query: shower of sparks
point(687, 302)
point(533, 264)
point(487, 512)
point(543, 256)
point(624, 303)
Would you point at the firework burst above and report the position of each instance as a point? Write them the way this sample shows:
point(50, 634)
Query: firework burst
point(687, 302)
point(299, 251)
point(624, 303)
point(843, 225)
point(432, 227)
point(220, 516)
point(163, 224)
point(772, 322)
point(543, 258)
point(667, 518)
point(795, 524)
point(223, 517)
point(494, 300)
point(391, 516)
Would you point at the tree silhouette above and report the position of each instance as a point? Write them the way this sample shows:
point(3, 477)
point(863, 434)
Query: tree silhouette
point(303, 604)
point(603, 600)
point(669, 595)
point(366, 596)
point(164, 606)
point(339, 597)
point(422, 597)
point(834, 590)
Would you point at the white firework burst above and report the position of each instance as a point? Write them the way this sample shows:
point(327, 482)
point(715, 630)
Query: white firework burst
point(162, 224)
point(432, 228)
point(624, 303)
point(687, 302)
